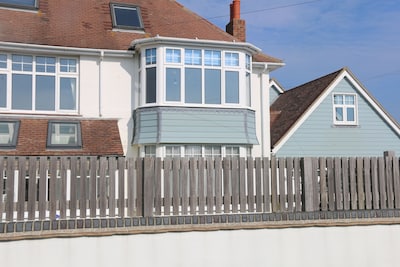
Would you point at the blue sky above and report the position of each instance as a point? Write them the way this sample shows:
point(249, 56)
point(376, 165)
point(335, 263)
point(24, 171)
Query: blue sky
point(315, 38)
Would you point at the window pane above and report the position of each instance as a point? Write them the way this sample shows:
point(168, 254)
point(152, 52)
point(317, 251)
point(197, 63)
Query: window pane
point(339, 114)
point(232, 151)
point(193, 151)
point(68, 65)
point(212, 58)
point(172, 151)
point(151, 88)
point(193, 85)
point(21, 91)
point(212, 86)
point(248, 88)
point(338, 99)
point(173, 56)
point(127, 17)
point(46, 64)
point(28, 3)
point(3, 90)
point(150, 151)
point(350, 114)
point(231, 59)
point(151, 56)
point(68, 93)
point(349, 99)
point(22, 63)
point(232, 87)
point(64, 134)
point(45, 93)
point(173, 84)
point(3, 61)
point(192, 57)
point(212, 151)
point(8, 133)
point(248, 62)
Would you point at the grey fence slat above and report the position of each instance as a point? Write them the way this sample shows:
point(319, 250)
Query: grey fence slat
point(135, 185)
point(167, 185)
point(193, 196)
point(63, 187)
point(338, 183)
point(176, 181)
point(202, 191)
point(112, 164)
point(73, 187)
point(274, 185)
point(353, 183)
point(52, 188)
point(250, 184)
point(289, 184)
point(235, 185)
point(42, 187)
point(315, 182)
point(32, 190)
point(219, 180)
point(323, 184)
point(121, 187)
point(2, 163)
point(226, 183)
point(259, 197)
point(331, 184)
point(266, 185)
point(367, 179)
point(157, 184)
point(83, 187)
point(396, 179)
point(21, 188)
point(308, 190)
point(282, 182)
point(389, 181)
point(242, 185)
point(360, 184)
point(210, 186)
point(184, 186)
point(93, 186)
point(297, 185)
point(10, 189)
point(103, 194)
point(346, 184)
point(382, 182)
point(148, 185)
point(374, 182)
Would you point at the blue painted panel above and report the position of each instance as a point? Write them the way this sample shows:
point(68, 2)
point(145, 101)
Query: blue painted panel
point(194, 126)
point(318, 136)
point(273, 94)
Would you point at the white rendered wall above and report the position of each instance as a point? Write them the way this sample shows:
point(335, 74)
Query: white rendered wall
point(321, 246)
point(108, 83)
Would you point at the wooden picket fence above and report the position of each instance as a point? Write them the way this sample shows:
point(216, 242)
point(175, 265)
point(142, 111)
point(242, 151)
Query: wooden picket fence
point(48, 188)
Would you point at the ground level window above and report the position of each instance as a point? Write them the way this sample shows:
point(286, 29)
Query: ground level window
point(64, 135)
point(8, 134)
point(173, 151)
point(232, 151)
point(150, 151)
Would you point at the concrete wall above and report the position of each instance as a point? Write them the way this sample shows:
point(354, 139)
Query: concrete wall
point(313, 246)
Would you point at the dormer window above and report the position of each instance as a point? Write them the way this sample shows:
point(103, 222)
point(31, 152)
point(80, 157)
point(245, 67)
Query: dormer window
point(126, 17)
point(8, 134)
point(19, 3)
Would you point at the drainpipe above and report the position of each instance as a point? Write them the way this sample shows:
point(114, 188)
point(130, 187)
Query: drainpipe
point(100, 81)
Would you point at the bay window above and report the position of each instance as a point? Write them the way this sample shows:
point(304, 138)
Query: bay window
point(38, 83)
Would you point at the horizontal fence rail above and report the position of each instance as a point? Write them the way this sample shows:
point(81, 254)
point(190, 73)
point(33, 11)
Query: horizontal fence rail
point(43, 188)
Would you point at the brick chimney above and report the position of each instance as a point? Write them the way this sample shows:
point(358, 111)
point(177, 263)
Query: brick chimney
point(236, 26)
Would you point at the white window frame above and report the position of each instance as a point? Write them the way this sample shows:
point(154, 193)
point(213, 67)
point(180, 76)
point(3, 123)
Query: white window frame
point(33, 73)
point(345, 106)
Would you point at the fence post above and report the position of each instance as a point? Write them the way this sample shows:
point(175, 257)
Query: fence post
point(308, 190)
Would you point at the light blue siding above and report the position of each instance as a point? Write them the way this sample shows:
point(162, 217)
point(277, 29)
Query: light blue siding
point(194, 126)
point(317, 136)
point(273, 94)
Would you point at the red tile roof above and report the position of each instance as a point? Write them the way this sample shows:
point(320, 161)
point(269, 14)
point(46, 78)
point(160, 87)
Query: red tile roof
point(292, 104)
point(88, 24)
point(99, 138)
